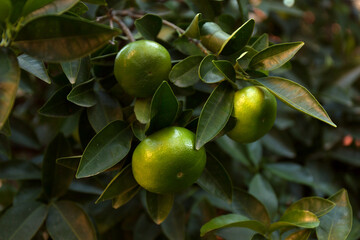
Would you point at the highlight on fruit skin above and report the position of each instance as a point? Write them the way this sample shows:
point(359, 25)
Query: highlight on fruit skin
point(167, 161)
point(141, 66)
point(255, 113)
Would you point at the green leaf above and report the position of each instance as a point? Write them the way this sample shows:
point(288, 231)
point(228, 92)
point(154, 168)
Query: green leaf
point(69, 162)
point(34, 66)
point(280, 143)
point(159, 206)
point(5, 10)
point(317, 205)
point(106, 110)
point(55, 178)
point(9, 82)
point(22, 221)
point(69, 39)
point(149, 26)
point(247, 205)
point(71, 69)
point(185, 73)
point(174, 225)
point(83, 94)
point(232, 220)
point(6, 130)
point(106, 149)
point(58, 105)
point(67, 221)
point(125, 197)
point(98, 2)
point(296, 218)
point(208, 72)
point(226, 69)
point(121, 184)
point(37, 8)
point(142, 109)
point(303, 234)
point(244, 59)
point(238, 39)
point(79, 9)
point(215, 114)
point(234, 149)
point(291, 171)
point(336, 225)
point(213, 37)
point(275, 56)
point(164, 108)
point(261, 43)
point(215, 179)
point(145, 229)
point(139, 130)
point(296, 96)
point(19, 170)
point(193, 30)
point(260, 188)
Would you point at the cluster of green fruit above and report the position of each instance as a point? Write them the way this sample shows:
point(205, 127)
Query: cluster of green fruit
point(167, 161)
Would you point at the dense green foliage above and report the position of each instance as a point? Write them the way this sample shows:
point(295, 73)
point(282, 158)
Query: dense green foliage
point(68, 130)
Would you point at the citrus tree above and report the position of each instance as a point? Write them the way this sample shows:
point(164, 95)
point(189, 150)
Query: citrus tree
point(157, 120)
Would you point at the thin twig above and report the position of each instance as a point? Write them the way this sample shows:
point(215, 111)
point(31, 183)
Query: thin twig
point(123, 26)
point(165, 22)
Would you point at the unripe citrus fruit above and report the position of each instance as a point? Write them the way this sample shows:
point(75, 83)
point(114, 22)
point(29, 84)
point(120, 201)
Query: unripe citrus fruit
point(167, 162)
point(255, 113)
point(141, 66)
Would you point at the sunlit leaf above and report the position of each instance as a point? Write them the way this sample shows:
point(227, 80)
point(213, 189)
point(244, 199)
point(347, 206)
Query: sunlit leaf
point(9, 82)
point(193, 29)
point(70, 38)
point(317, 205)
point(296, 96)
point(296, 218)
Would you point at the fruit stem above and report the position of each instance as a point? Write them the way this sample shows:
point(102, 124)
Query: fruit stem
point(131, 14)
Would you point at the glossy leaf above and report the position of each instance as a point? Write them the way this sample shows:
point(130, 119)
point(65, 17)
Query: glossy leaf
point(238, 39)
point(247, 205)
point(22, 221)
point(193, 30)
point(149, 26)
point(55, 178)
point(215, 179)
point(261, 43)
point(67, 220)
point(244, 59)
point(296, 218)
point(185, 73)
point(296, 96)
point(336, 225)
point(70, 38)
point(208, 72)
point(275, 56)
point(106, 110)
point(106, 149)
point(142, 109)
point(83, 94)
point(300, 235)
point(9, 82)
point(291, 172)
point(71, 69)
point(125, 197)
point(215, 114)
point(260, 188)
point(174, 225)
point(232, 220)
point(164, 108)
point(58, 105)
point(34, 66)
point(69, 162)
point(226, 68)
point(159, 206)
point(212, 36)
point(317, 205)
point(37, 8)
point(122, 183)
point(19, 170)
point(5, 10)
